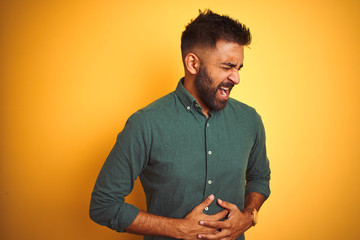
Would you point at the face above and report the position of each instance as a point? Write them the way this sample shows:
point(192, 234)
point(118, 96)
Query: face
point(218, 73)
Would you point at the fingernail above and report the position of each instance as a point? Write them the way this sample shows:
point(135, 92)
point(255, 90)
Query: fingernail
point(219, 200)
point(201, 222)
point(200, 236)
point(211, 197)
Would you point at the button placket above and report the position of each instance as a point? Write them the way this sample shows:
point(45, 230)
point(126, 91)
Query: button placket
point(209, 186)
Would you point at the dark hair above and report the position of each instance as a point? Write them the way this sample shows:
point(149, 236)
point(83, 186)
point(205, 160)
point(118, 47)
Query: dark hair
point(205, 30)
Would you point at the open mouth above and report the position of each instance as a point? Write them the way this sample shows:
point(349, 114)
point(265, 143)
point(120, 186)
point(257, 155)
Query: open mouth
point(224, 91)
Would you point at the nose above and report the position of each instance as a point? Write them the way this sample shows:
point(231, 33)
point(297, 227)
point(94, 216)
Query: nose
point(234, 77)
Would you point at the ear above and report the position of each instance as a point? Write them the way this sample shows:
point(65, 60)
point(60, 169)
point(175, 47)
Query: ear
point(192, 63)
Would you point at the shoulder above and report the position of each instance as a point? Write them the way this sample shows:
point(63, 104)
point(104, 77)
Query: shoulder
point(161, 103)
point(240, 108)
point(243, 113)
point(155, 109)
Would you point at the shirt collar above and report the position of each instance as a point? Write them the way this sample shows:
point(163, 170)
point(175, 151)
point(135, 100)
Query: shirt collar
point(188, 100)
point(185, 97)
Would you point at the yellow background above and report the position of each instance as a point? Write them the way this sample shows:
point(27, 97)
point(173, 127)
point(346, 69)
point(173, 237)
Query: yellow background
point(73, 71)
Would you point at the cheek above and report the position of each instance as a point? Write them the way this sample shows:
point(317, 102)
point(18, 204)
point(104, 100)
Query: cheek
point(217, 76)
point(220, 78)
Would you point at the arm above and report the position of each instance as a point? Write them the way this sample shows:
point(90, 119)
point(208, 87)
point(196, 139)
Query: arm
point(118, 174)
point(187, 228)
point(253, 200)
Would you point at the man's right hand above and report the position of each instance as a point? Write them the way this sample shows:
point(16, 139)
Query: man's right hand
point(187, 228)
point(190, 228)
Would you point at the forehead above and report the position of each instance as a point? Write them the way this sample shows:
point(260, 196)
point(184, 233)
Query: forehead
point(227, 52)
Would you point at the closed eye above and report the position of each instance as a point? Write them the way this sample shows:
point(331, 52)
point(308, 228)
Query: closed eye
point(228, 66)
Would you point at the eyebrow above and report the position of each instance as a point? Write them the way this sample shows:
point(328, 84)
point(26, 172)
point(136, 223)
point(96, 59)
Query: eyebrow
point(232, 65)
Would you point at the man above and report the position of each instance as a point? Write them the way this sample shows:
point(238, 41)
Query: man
point(200, 155)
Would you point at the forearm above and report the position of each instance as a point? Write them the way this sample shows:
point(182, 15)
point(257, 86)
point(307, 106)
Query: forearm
point(150, 224)
point(253, 200)
point(187, 228)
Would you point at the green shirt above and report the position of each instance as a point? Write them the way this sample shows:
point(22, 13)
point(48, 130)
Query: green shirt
point(181, 158)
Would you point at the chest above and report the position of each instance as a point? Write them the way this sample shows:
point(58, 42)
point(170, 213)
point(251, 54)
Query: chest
point(189, 150)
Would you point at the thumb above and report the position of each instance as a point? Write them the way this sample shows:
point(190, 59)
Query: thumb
point(227, 205)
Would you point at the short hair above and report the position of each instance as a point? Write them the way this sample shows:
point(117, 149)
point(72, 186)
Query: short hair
point(209, 27)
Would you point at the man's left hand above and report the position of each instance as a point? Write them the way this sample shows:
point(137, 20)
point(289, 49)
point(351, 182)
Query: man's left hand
point(231, 228)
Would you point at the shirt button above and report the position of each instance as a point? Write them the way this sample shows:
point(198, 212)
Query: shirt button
point(207, 124)
point(206, 208)
point(209, 152)
point(196, 105)
point(188, 107)
point(209, 182)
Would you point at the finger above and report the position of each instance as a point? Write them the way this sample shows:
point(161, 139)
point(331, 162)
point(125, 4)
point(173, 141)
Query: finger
point(216, 235)
point(215, 224)
point(227, 205)
point(207, 230)
point(205, 203)
point(219, 215)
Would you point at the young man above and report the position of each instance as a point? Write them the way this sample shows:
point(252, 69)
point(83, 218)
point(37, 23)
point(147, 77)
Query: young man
point(200, 155)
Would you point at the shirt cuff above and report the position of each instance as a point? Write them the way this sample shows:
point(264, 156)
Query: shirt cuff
point(258, 186)
point(127, 216)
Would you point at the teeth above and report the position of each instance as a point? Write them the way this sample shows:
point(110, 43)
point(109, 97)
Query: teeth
point(223, 92)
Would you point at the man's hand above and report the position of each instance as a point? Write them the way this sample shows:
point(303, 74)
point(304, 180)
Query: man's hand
point(187, 228)
point(231, 228)
point(191, 227)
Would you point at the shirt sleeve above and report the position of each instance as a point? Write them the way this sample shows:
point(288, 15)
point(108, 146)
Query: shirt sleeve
point(258, 170)
point(118, 174)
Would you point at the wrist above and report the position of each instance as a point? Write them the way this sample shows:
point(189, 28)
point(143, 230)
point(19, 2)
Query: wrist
point(178, 229)
point(253, 215)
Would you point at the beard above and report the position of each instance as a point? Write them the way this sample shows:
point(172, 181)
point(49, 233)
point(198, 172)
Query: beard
point(206, 91)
